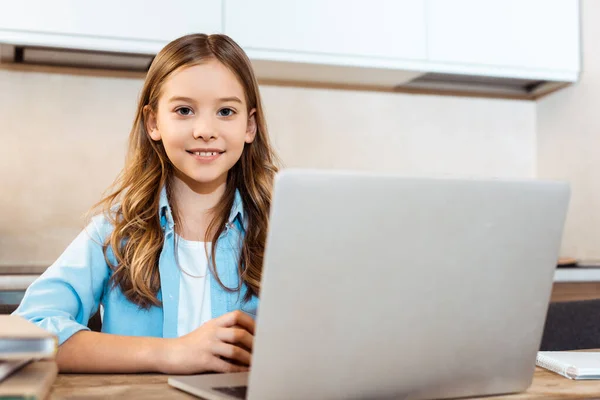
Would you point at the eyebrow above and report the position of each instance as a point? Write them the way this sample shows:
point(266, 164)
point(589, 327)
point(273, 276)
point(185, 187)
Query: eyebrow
point(181, 98)
point(226, 99)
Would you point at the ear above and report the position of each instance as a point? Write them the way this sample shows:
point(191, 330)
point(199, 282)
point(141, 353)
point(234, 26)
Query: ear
point(251, 128)
point(151, 123)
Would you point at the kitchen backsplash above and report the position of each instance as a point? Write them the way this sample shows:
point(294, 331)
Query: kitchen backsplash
point(63, 140)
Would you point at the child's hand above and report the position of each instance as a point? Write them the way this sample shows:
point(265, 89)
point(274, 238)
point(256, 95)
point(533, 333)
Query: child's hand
point(222, 344)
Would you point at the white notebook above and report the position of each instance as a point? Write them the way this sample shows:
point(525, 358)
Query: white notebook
point(10, 367)
point(571, 364)
point(21, 339)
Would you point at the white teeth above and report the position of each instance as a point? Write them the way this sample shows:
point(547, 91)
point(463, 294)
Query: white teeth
point(205, 153)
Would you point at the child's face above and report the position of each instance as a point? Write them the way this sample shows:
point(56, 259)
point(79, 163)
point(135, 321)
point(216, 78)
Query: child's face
point(203, 122)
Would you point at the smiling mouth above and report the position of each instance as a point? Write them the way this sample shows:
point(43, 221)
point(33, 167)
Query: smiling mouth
point(205, 153)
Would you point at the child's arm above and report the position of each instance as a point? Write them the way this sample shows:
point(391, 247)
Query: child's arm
point(64, 298)
point(203, 350)
point(68, 293)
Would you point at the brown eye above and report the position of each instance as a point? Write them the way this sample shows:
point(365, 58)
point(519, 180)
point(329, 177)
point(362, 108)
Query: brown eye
point(226, 112)
point(184, 111)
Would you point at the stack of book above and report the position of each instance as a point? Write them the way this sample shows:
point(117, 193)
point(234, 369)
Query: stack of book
point(27, 354)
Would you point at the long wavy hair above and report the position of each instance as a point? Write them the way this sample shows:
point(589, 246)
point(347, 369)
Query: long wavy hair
point(132, 205)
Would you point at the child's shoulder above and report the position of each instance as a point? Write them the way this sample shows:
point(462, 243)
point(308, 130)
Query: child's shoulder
point(101, 225)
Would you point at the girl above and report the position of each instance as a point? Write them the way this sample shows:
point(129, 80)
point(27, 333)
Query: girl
point(175, 256)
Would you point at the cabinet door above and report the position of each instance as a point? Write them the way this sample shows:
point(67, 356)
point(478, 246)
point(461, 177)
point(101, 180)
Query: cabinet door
point(393, 29)
point(152, 20)
point(527, 34)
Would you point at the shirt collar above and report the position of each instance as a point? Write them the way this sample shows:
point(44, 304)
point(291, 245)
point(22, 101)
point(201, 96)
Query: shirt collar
point(237, 210)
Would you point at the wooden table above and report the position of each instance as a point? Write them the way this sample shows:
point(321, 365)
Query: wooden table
point(138, 386)
point(572, 291)
point(546, 385)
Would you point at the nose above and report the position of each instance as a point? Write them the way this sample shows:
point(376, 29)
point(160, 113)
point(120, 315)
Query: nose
point(205, 130)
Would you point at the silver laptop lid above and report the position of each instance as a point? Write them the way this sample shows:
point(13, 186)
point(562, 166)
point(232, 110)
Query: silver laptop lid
point(380, 285)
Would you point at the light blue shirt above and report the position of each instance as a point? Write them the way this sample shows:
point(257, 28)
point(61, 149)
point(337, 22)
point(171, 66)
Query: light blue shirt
point(70, 291)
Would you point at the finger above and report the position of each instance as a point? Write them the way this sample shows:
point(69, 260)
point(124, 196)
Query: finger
point(217, 364)
point(236, 336)
point(241, 344)
point(232, 352)
point(237, 318)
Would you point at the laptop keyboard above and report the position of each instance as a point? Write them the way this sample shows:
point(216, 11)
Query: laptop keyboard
point(239, 392)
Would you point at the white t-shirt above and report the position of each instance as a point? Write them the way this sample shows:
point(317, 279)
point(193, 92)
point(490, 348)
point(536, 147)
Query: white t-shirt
point(194, 291)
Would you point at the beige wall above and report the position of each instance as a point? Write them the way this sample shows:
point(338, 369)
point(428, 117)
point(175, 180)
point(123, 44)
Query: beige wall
point(63, 140)
point(569, 144)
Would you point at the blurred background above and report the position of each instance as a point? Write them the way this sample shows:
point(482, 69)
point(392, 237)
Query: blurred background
point(467, 88)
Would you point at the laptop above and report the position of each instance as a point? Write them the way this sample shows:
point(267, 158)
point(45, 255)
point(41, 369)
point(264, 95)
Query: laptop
point(381, 286)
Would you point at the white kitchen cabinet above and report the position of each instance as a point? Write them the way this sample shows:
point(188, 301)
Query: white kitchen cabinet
point(133, 26)
point(518, 38)
point(521, 48)
point(390, 29)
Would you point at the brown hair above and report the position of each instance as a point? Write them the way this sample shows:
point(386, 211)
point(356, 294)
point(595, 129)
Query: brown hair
point(133, 203)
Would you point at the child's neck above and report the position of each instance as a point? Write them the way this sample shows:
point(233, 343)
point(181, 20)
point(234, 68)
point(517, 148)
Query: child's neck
point(194, 208)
